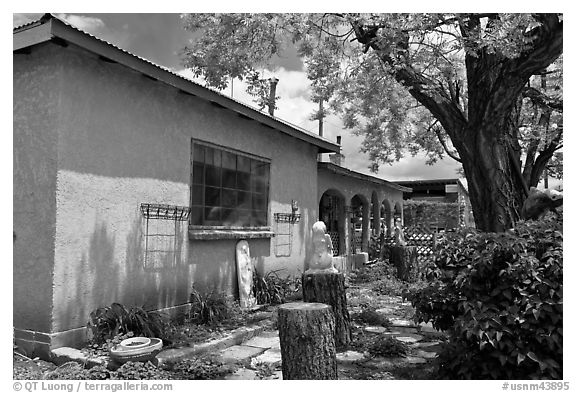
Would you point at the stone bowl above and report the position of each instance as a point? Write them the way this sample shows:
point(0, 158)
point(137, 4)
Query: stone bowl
point(146, 353)
point(135, 342)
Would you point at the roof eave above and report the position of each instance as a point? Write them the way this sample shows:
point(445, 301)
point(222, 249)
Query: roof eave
point(34, 34)
point(347, 172)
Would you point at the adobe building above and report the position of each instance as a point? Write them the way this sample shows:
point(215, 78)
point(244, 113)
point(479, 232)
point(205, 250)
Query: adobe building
point(133, 184)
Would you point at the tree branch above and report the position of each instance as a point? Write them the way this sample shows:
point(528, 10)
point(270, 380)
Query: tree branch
point(438, 133)
point(541, 99)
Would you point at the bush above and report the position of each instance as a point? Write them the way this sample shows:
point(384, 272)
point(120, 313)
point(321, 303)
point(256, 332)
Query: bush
point(108, 322)
point(209, 308)
point(373, 317)
point(388, 347)
point(272, 289)
point(499, 296)
point(201, 368)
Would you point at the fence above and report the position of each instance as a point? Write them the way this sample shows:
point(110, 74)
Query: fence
point(423, 238)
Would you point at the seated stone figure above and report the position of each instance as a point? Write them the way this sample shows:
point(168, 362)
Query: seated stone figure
point(399, 233)
point(321, 261)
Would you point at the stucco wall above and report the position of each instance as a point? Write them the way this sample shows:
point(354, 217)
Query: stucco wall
point(36, 82)
point(124, 139)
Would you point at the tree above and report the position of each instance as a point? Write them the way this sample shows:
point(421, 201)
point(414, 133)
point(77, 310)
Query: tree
point(450, 84)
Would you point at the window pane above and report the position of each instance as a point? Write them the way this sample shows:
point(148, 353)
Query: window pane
point(198, 173)
point(244, 217)
point(228, 178)
point(197, 195)
point(258, 202)
point(243, 181)
point(212, 176)
point(260, 218)
point(229, 198)
point(198, 153)
point(258, 184)
point(244, 164)
point(209, 154)
point(197, 216)
point(228, 160)
point(244, 200)
point(229, 217)
point(212, 196)
point(212, 215)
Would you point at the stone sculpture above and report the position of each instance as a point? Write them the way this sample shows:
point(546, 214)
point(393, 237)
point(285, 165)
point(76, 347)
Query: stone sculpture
point(321, 260)
point(245, 271)
point(399, 233)
point(538, 203)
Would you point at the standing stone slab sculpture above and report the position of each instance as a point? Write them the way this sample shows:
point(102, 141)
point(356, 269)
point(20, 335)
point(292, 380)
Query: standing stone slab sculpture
point(322, 283)
point(245, 271)
point(307, 347)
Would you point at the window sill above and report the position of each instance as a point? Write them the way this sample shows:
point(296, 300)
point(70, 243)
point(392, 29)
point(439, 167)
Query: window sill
point(229, 233)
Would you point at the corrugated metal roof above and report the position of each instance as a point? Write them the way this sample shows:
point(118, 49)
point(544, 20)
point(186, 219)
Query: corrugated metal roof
point(49, 16)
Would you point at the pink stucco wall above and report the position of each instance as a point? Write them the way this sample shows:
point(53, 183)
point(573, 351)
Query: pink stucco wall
point(124, 139)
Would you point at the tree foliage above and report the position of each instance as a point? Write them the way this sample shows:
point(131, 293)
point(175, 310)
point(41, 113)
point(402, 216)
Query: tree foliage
point(458, 85)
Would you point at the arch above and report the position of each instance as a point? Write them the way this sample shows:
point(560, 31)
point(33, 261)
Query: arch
point(332, 212)
point(388, 216)
point(375, 215)
point(360, 223)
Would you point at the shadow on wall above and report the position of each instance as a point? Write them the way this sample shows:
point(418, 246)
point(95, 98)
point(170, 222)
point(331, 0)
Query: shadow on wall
point(102, 277)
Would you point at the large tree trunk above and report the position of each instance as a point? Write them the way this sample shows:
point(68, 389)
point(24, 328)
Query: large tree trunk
point(329, 288)
point(492, 166)
point(306, 333)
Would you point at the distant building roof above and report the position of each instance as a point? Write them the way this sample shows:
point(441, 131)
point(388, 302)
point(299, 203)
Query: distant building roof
point(347, 172)
point(49, 27)
point(434, 182)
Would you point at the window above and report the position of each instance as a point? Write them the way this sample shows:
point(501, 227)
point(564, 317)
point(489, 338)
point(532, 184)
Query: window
point(228, 189)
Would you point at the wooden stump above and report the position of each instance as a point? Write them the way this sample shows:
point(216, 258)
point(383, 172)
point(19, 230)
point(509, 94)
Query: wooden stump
point(307, 341)
point(405, 260)
point(328, 288)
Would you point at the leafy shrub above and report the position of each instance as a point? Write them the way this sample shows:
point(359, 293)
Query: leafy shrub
point(372, 273)
point(273, 289)
point(500, 298)
point(201, 368)
point(373, 317)
point(209, 308)
point(105, 323)
point(140, 370)
point(387, 347)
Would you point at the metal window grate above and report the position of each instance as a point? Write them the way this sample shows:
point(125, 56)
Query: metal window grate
point(164, 212)
point(162, 245)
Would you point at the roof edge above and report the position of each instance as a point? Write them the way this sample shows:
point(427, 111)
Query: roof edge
point(50, 26)
point(361, 176)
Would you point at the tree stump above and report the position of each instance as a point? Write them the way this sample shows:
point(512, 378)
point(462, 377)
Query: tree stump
point(307, 341)
point(328, 288)
point(405, 260)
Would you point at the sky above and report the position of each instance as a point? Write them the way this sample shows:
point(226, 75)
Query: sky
point(160, 37)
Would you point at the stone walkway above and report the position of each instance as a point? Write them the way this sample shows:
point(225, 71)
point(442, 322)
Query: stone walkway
point(263, 352)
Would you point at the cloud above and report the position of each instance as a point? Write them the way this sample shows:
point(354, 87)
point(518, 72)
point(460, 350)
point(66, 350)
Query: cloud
point(87, 23)
point(22, 19)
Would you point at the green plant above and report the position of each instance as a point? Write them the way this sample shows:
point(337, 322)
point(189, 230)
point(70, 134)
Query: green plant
point(500, 298)
point(209, 308)
point(388, 347)
point(140, 370)
point(270, 288)
point(67, 371)
point(201, 368)
point(373, 317)
point(105, 323)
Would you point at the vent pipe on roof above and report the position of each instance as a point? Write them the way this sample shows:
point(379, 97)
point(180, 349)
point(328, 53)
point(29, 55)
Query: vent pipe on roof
point(337, 158)
point(272, 96)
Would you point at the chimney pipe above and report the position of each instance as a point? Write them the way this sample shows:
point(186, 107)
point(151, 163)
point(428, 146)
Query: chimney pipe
point(339, 140)
point(272, 96)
